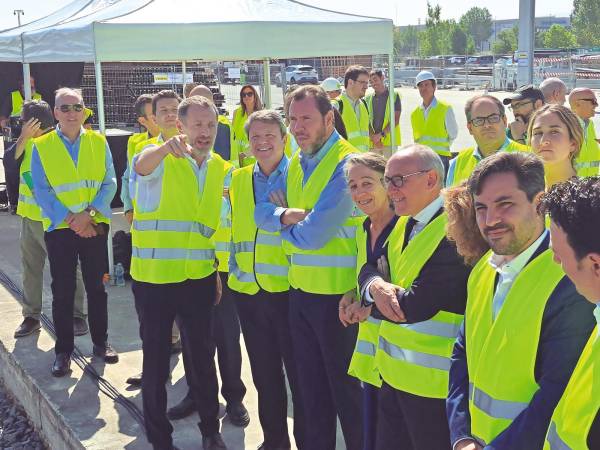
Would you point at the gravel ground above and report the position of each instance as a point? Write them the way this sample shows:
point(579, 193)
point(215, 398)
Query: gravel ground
point(16, 432)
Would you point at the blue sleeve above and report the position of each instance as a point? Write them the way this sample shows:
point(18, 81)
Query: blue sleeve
point(450, 175)
point(457, 402)
point(266, 215)
point(108, 188)
point(125, 196)
point(45, 196)
point(324, 221)
point(225, 206)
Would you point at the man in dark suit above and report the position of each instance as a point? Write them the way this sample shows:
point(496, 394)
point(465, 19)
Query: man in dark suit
point(525, 324)
point(419, 323)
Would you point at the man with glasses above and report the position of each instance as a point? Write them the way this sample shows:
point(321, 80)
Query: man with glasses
point(353, 108)
point(419, 323)
point(486, 121)
point(583, 103)
point(74, 182)
point(523, 103)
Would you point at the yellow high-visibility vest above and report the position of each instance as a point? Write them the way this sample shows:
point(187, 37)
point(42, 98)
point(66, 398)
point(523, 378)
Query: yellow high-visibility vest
point(132, 142)
point(27, 206)
point(259, 256)
point(357, 129)
point(501, 353)
point(75, 186)
point(17, 102)
point(387, 140)
point(587, 163)
point(432, 132)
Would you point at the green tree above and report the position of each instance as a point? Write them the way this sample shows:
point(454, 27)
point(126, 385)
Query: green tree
point(559, 37)
point(506, 41)
point(459, 41)
point(406, 41)
point(539, 39)
point(478, 23)
point(436, 39)
point(585, 20)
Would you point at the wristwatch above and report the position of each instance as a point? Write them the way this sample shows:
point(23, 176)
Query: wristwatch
point(91, 212)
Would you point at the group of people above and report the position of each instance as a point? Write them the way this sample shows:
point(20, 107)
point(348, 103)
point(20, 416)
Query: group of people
point(425, 301)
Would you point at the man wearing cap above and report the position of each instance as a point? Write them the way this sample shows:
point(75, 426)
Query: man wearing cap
point(433, 122)
point(523, 103)
point(332, 86)
point(353, 108)
point(554, 90)
point(583, 103)
point(378, 106)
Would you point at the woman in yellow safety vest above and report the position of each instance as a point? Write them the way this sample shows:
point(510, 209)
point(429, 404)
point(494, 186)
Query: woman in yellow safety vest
point(555, 135)
point(364, 173)
point(249, 102)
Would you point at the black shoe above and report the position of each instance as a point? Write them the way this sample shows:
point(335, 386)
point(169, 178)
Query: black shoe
point(181, 410)
point(264, 446)
point(80, 326)
point(214, 442)
point(13, 210)
point(238, 414)
point(62, 365)
point(28, 326)
point(135, 380)
point(107, 353)
point(176, 347)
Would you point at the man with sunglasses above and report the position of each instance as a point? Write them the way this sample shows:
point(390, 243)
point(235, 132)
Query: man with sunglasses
point(486, 121)
point(353, 107)
point(583, 103)
point(420, 322)
point(523, 103)
point(74, 182)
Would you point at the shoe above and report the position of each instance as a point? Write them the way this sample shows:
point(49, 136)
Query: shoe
point(214, 442)
point(264, 446)
point(28, 326)
point(80, 326)
point(62, 365)
point(135, 380)
point(176, 347)
point(13, 210)
point(238, 414)
point(184, 408)
point(107, 353)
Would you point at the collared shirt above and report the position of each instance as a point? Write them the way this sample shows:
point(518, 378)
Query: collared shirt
point(355, 105)
point(477, 155)
point(52, 207)
point(508, 272)
point(450, 120)
point(379, 104)
point(261, 184)
point(329, 213)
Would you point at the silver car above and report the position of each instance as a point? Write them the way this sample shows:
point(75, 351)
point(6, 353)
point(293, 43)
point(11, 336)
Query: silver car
point(298, 74)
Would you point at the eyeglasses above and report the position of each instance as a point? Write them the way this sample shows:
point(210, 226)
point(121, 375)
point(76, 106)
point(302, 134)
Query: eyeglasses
point(77, 107)
point(398, 180)
point(593, 101)
point(363, 83)
point(519, 105)
point(248, 94)
point(491, 119)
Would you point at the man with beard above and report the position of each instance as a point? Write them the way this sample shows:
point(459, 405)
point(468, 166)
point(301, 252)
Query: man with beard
point(523, 103)
point(312, 209)
point(525, 324)
point(179, 193)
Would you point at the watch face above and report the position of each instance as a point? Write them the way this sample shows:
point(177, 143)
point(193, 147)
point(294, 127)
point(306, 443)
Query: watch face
point(92, 213)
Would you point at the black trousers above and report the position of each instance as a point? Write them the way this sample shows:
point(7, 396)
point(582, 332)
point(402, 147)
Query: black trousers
point(264, 317)
point(322, 351)
point(410, 422)
point(158, 304)
point(64, 248)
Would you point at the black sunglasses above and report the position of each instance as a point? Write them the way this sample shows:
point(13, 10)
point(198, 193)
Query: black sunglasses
point(248, 94)
point(77, 107)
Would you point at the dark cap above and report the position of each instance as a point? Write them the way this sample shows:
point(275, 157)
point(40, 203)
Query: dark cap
point(525, 92)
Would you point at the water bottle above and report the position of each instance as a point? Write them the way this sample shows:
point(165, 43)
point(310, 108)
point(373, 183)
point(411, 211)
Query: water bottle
point(120, 275)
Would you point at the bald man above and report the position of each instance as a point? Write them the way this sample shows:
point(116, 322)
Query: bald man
point(583, 103)
point(554, 90)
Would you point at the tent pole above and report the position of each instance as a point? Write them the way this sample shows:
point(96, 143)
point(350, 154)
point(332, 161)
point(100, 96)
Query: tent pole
point(392, 101)
point(183, 76)
point(267, 82)
point(26, 81)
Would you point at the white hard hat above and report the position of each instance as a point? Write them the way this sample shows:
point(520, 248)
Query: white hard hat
point(424, 75)
point(331, 84)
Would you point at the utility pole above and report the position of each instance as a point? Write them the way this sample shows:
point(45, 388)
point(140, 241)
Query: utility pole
point(18, 13)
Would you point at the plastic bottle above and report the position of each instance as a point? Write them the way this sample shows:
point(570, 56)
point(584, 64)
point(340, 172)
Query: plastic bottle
point(120, 275)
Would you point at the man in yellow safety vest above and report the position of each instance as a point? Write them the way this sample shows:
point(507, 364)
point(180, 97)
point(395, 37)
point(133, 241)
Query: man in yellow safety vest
point(583, 102)
point(379, 115)
point(352, 107)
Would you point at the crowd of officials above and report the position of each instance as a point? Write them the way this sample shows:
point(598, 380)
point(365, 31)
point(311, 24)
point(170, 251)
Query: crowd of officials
point(426, 300)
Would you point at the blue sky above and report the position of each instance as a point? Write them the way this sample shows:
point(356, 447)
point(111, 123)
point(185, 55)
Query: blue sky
point(394, 9)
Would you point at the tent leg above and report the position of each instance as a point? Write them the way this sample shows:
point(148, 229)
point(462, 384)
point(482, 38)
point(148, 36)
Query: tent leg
point(102, 125)
point(391, 100)
point(26, 81)
point(183, 76)
point(267, 82)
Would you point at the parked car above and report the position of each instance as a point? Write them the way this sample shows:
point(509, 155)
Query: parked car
point(483, 60)
point(457, 60)
point(298, 74)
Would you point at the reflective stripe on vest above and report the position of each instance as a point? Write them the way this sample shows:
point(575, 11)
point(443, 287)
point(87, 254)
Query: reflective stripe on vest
point(415, 358)
point(175, 242)
point(579, 406)
point(587, 163)
point(432, 131)
point(27, 206)
point(332, 268)
point(74, 186)
point(501, 353)
point(259, 257)
point(387, 140)
point(357, 129)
